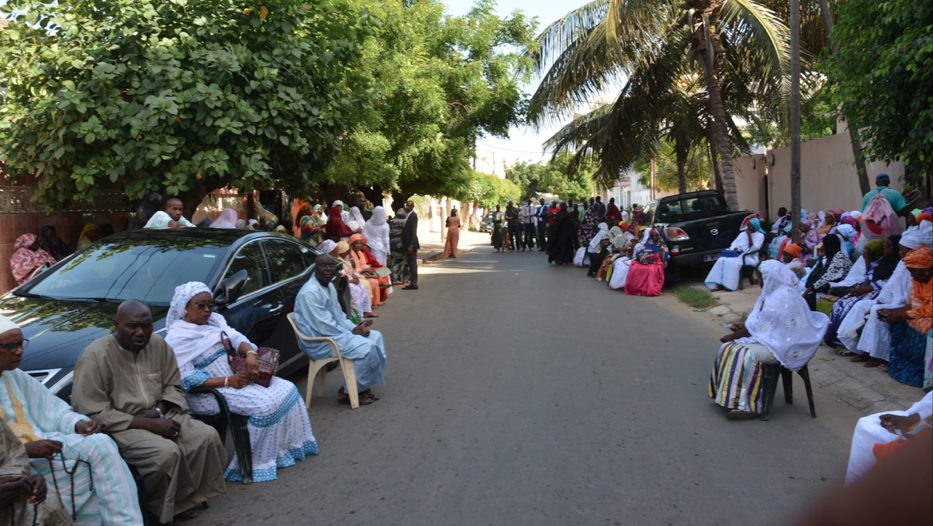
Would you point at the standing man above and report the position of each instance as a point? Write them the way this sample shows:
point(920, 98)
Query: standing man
point(361, 203)
point(128, 382)
point(613, 214)
point(513, 219)
point(410, 244)
point(528, 223)
point(601, 211)
point(542, 221)
point(895, 199)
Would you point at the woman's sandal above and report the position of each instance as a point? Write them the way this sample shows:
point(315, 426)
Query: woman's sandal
point(363, 399)
point(187, 515)
point(860, 358)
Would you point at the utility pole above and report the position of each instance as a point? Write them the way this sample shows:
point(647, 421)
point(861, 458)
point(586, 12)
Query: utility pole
point(795, 112)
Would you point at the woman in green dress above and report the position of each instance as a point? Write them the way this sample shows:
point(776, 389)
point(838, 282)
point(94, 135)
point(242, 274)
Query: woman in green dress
point(498, 233)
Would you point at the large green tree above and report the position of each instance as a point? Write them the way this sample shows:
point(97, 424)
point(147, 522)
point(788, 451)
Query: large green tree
point(551, 178)
point(884, 67)
point(177, 96)
point(439, 82)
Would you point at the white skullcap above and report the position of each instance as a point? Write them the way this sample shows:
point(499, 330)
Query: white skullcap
point(6, 324)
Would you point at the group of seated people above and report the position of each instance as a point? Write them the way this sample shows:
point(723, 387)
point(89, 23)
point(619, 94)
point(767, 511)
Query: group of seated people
point(32, 252)
point(133, 405)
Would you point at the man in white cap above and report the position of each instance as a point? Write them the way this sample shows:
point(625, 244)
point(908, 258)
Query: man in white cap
point(98, 485)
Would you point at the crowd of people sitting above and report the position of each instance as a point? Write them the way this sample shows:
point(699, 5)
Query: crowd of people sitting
point(135, 392)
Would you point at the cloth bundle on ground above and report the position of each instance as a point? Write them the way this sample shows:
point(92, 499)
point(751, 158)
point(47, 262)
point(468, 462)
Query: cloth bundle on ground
point(25, 260)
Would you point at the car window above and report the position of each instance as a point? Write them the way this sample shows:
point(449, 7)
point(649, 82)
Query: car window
point(125, 271)
point(250, 258)
point(285, 259)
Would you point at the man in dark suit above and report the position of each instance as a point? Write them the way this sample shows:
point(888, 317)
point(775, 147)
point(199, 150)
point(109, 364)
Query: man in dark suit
point(410, 244)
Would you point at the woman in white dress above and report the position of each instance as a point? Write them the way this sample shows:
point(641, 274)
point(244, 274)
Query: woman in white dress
point(726, 272)
point(279, 429)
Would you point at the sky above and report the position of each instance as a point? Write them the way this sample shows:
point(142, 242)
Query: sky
point(523, 144)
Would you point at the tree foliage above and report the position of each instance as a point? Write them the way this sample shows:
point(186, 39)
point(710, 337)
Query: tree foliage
point(439, 82)
point(551, 178)
point(885, 73)
point(697, 169)
point(177, 96)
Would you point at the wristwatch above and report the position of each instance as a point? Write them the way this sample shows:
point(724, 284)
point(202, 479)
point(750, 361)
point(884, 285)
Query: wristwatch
point(159, 411)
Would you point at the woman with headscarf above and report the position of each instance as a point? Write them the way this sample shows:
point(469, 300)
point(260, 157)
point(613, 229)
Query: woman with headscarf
point(336, 229)
point(376, 232)
point(320, 214)
point(309, 227)
point(618, 239)
point(28, 255)
point(727, 271)
point(850, 238)
point(241, 224)
point(398, 263)
point(589, 226)
point(911, 324)
point(879, 260)
point(638, 216)
point(226, 219)
point(833, 267)
point(560, 251)
point(597, 249)
point(646, 273)
point(791, 258)
point(828, 224)
point(356, 222)
point(364, 267)
point(89, 234)
point(498, 231)
point(808, 238)
point(52, 244)
point(359, 295)
point(279, 430)
point(453, 235)
point(780, 329)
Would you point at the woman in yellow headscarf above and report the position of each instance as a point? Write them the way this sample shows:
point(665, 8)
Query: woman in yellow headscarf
point(89, 234)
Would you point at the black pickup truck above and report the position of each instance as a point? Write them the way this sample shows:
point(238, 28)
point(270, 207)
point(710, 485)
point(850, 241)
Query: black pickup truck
point(697, 226)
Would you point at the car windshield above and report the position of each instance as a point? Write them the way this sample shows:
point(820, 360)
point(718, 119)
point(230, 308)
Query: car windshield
point(669, 209)
point(122, 271)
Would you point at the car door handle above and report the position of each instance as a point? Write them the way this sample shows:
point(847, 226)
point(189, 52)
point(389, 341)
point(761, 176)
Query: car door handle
point(276, 310)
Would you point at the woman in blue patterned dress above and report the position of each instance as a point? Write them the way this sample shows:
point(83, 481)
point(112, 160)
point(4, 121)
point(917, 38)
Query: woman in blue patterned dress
point(279, 430)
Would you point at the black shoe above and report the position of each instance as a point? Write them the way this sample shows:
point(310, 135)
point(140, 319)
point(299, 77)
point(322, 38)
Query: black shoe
point(410, 287)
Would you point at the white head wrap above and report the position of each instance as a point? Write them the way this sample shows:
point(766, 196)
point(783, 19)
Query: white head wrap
point(190, 340)
point(376, 230)
point(917, 236)
point(781, 319)
point(328, 246)
point(253, 223)
point(227, 219)
point(6, 324)
point(241, 224)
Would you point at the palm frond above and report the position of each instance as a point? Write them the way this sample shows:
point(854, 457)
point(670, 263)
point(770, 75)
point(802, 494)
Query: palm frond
point(748, 23)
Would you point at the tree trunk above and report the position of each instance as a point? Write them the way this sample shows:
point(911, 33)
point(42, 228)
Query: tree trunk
point(474, 221)
point(795, 112)
point(714, 165)
point(654, 171)
point(854, 137)
point(681, 168)
point(718, 111)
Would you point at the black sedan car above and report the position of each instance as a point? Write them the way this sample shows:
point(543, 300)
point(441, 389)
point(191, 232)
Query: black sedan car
point(255, 277)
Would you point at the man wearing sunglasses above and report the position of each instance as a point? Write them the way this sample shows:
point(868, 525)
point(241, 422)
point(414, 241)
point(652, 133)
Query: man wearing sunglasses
point(58, 439)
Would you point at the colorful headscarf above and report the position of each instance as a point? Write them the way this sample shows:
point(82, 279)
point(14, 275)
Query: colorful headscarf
point(916, 212)
point(919, 258)
point(793, 249)
point(309, 226)
point(755, 222)
point(343, 247)
point(356, 237)
point(336, 228)
point(924, 217)
point(25, 260)
point(90, 227)
point(327, 246)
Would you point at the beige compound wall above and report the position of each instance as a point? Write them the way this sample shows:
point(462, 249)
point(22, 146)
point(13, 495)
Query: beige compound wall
point(828, 177)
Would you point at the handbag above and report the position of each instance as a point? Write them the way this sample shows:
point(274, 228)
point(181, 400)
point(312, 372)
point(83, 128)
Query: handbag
point(268, 361)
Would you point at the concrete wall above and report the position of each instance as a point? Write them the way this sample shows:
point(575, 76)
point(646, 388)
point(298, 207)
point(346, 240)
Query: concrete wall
point(828, 177)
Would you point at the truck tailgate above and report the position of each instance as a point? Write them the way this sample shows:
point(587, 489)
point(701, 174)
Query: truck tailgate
point(712, 232)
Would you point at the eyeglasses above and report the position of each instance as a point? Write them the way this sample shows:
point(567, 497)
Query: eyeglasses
point(11, 347)
point(208, 306)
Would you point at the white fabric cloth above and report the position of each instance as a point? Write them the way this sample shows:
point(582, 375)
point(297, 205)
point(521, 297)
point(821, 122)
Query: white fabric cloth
point(160, 219)
point(376, 232)
point(596, 242)
point(328, 246)
point(868, 432)
point(186, 339)
point(227, 219)
point(857, 274)
point(241, 224)
point(356, 219)
point(581, 258)
point(620, 268)
point(727, 271)
point(782, 321)
point(876, 335)
point(848, 327)
point(252, 223)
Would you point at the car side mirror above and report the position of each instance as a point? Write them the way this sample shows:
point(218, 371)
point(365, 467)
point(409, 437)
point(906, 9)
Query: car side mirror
point(231, 288)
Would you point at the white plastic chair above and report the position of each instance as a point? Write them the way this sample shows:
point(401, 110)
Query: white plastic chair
point(318, 368)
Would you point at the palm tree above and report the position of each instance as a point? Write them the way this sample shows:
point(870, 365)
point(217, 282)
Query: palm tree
point(597, 45)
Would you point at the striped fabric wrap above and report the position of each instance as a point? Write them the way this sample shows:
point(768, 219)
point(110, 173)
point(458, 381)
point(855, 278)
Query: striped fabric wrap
point(736, 379)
